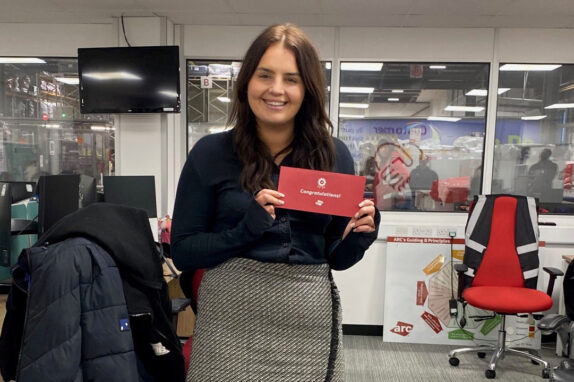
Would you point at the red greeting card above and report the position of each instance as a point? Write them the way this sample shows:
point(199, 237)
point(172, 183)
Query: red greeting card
point(320, 191)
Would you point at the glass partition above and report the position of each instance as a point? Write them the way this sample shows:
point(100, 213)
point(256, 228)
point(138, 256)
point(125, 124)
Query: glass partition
point(416, 131)
point(41, 129)
point(209, 93)
point(534, 137)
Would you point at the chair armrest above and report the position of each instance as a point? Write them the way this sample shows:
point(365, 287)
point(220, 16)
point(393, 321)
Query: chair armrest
point(552, 322)
point(460, 269)
point(553, 273)
point(179, 305)
point(23, 227)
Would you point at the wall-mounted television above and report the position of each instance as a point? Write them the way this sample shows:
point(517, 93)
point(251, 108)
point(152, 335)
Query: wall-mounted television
point(129, 80)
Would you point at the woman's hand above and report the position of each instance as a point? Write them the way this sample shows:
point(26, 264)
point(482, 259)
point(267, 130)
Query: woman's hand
point(363, 220)
point(269, 199)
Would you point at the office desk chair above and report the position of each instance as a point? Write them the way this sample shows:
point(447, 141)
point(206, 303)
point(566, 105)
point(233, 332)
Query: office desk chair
point(500, 268)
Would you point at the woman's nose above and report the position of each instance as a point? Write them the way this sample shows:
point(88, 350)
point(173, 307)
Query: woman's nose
point(277, 87)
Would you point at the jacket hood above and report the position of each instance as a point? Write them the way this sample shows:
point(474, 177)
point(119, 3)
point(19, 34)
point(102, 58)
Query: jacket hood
point(124, 233)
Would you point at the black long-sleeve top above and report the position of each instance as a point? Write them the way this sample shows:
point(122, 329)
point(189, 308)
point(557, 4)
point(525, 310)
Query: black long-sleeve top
point(214, 219)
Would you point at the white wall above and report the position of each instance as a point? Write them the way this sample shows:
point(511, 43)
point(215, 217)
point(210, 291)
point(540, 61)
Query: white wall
point(55, 40)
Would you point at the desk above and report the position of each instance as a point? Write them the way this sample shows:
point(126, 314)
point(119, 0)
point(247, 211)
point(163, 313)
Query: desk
point(566, 260)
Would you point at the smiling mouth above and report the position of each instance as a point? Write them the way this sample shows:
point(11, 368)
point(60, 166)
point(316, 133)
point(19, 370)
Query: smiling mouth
point(275, 103)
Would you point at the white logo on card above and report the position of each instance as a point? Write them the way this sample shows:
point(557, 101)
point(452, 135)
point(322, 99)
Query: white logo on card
point(321, 182)
point(319, 203)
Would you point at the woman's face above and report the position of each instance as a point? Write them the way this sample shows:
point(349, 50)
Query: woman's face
point(275, 91)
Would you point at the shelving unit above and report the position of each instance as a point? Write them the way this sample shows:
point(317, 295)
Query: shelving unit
point(41, 128)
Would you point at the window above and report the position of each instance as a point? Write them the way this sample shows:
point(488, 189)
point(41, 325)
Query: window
point(533, 152)
point(209, 94)
point(415, 130)
point(41, 129)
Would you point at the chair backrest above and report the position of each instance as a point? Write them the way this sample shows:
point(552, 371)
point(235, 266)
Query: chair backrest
point(502, 241)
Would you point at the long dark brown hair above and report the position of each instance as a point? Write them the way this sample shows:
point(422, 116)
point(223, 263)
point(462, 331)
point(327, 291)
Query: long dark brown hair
point(312, 145)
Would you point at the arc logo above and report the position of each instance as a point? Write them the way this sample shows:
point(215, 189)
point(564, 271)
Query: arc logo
point(402, 329)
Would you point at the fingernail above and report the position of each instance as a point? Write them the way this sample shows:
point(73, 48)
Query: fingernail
point(281, 202)
point(352, 225)
point(361, 204)
point(281, 195)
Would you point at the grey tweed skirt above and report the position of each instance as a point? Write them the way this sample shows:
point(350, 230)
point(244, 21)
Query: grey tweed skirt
point(267, 322)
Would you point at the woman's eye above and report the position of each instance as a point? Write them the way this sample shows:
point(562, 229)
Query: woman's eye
point(292, 80)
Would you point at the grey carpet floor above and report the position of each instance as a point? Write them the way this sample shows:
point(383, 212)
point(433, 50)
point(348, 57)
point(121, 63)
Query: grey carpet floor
point(369, 359)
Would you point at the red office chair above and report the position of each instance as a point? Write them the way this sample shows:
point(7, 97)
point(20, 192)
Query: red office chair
point(501, 267)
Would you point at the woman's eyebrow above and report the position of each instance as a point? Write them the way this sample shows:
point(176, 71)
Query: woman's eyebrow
point(267, 70)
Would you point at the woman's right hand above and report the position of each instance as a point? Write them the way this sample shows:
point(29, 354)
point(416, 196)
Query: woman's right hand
point(269, 199)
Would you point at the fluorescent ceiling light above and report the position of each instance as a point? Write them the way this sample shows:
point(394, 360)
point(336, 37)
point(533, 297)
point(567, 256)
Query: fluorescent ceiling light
point(528, 67)
point(354, 105)
point(393, 99)
point(464, 108)
point(104, 76)
point(446, 119)
point(224, 99)
point(533, 117)
point(69, 80)
point(484, 92)
point(363, 66)
point(168, 93)
point(52, 126)
point(397, 91)
point(437, 66)
point(101, 128)
point(21, 60)
point(351, 89)
point(351, 116)
point(327, 65)
point(561, 106)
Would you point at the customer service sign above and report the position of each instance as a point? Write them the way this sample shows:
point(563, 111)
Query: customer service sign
point(420, 281)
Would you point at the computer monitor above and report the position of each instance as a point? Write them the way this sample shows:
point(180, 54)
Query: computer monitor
point(58, 196)
point(87, 194)
point(131, 191)
point(5, 223)
point(22, 190)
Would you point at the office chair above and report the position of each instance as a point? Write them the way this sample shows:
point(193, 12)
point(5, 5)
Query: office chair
point(563, 326)
point(500, 268)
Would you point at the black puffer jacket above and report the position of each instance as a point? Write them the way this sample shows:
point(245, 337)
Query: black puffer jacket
point(125, 234)
point(77, 326)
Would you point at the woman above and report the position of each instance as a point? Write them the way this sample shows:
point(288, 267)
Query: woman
point(268, 309)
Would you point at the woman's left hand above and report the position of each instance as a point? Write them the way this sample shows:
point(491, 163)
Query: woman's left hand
point(363, 220)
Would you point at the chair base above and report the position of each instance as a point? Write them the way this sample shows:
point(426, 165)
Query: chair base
point(499, 351)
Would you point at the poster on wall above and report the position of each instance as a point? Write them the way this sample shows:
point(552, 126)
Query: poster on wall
point(420, 281)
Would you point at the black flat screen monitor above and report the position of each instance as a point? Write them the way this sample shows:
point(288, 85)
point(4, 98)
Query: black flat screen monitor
point(131, 191)
point(58, 196)
point(129, 80)
point(22, 190)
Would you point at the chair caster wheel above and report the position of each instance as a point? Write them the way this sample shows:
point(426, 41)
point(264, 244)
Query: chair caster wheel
point(453, 361)
point(546, 373)
point(481, 354)
point(490, 374)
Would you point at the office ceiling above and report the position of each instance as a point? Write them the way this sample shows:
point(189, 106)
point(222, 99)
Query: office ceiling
point(375, 13)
